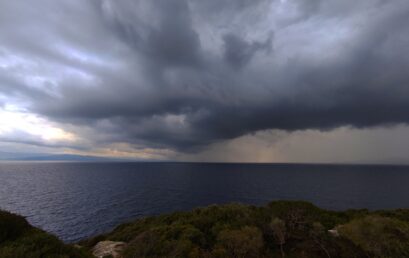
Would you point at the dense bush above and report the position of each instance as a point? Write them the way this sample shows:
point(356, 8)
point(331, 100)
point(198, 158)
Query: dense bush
point(11, 226)
point(378, 236)
point(240, 243)
point(20, 240)
point(281, 229)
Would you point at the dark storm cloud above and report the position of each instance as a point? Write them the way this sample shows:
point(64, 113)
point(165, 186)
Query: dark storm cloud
point(158, 73)
point(169, 39)
point(238, 52)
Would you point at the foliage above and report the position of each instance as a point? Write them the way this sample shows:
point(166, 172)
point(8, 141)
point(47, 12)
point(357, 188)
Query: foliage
point(280, 232)
point(378, 236)
point(240, 243)
point(280, 229)
point(283, 228)
point(20, 240)
point(12, 226)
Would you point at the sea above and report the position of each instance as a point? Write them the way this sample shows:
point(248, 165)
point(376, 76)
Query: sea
point(78, 200)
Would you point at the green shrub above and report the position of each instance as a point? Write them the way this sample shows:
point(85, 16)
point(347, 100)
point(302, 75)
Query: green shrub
point(11, 226)
point(378, 236)
point(282, 228)
point(20, 240)
point(236, 230)
point(241, 243)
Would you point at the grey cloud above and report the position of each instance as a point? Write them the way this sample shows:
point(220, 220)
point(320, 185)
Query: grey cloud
point(13, 88)
point(162, 76)
point(168, 39)
point(239, 52)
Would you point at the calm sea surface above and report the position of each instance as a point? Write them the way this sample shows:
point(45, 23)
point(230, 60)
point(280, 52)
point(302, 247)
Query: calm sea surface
point(78, 200)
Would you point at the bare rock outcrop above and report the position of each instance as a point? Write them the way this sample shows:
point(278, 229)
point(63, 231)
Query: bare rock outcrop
point(108, 248)
point(334, 232)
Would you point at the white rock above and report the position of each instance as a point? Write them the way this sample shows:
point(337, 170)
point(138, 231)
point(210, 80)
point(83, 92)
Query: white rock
point(333, 232)
point(106, 248)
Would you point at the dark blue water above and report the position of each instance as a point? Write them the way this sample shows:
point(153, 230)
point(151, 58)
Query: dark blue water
point(78, 200)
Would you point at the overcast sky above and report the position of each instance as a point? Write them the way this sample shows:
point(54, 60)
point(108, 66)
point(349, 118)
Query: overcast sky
point(214, 80)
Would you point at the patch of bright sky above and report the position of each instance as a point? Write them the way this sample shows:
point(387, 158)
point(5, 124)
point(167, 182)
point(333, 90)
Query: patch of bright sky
point(89, 64)
point(47, 76)
point(28, 72)
point(13, 119)
point(7, 61)
point(78, 55)
point(126, 151)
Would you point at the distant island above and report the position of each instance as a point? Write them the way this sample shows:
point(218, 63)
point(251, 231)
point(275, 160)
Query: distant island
point(10, 156)
point(279, 229)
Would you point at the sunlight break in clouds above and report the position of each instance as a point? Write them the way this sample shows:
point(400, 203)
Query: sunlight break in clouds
point(13, 121)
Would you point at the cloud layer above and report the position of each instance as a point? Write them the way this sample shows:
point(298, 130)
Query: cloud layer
point(185, 74)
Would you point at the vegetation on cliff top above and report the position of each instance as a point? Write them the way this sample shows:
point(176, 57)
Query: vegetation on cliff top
point(18, 239)
point(280, 229)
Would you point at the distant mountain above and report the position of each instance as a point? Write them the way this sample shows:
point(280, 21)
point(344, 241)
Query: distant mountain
point(17, 155)
point(5, 156)
point(69, 157)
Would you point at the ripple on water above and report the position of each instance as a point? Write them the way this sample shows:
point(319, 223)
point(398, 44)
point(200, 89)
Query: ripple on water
point(78, 200)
